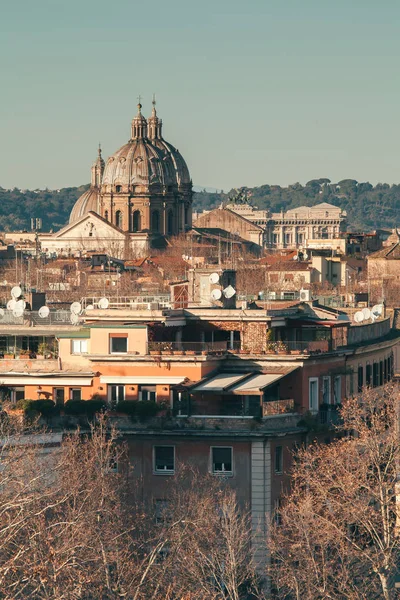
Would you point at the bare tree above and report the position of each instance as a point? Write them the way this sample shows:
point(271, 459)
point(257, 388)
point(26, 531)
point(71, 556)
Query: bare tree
point(335, 536)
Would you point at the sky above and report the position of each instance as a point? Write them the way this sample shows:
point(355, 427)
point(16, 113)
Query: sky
point(251, 92)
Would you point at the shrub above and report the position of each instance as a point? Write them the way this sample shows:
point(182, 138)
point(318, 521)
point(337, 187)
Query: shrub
point(75, 407)
point(84, 407)
point(127, 407)
point(46, 408)
point(145, 409)
point(21, 404)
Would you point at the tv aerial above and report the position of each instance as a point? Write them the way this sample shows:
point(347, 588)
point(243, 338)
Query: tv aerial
point(367, 313)
point(16, 292)
point(44, 312)
point(11, 304)
point(229, 292)
point(74, 318)
point(103, 303)
point(75, 308)
point(216, 294)
point(18, 311)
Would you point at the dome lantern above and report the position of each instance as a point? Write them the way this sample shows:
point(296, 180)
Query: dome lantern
point(139, 125)
point(154, 123)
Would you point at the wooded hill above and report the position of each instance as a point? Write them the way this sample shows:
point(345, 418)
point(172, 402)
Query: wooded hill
point(368, 207)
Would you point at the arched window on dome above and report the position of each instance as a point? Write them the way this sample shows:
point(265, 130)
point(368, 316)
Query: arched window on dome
point(155, 221)
point(136, 221)
point(170, 222)
point(118, 219)
point(106, 215)
point(186, 215)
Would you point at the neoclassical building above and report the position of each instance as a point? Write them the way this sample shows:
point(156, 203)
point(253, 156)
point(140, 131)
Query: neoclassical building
point(140, 195)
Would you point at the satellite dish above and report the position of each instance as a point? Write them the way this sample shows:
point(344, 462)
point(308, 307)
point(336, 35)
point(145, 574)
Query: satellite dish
point(103, 303)
point(359, 316)
point(16, 291)
point(1, 313)
point(216, 294)
point(305, 256)
point(18, 311)
point(21, 303)
point(377, 310)
point(366, 312)
point(11, 304)
point(229, 292)
point(90, 307)
point(214, 278)
point(74, 318)
point(75, 308)
point(44, 312)
point(296, 257)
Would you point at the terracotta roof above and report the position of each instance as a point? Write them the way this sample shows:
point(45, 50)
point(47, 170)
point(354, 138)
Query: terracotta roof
point(390, 253)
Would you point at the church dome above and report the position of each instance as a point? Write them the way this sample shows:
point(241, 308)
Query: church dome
point(85, 203)
point(146, 160)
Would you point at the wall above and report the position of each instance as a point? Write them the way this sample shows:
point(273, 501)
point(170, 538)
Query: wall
point(370, 331)
point(100, 336)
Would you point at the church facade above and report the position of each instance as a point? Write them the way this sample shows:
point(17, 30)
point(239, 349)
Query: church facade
point(142, 194)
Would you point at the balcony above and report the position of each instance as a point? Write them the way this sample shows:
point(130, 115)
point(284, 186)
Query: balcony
point(187, 348)
point(308, 347)
point(278, 407)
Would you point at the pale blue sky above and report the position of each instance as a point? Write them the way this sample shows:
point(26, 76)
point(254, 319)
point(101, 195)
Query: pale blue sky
point(251, 92)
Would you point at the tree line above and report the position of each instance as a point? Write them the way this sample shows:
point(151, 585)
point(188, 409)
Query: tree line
point(368, 207)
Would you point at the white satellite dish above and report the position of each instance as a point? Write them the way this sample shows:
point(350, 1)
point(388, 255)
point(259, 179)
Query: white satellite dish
point(11, 304)
point(305, 256)
point(44, 312)
point(295, 257)
point(16, 291)
point(74, 318)
point(90, 307)
point(359, 317)
point(1, 313)
point(18, 311)
point(229, 292)
point(214, 278)
point(377, 310)
point(21, 303)
point(75, 308)
point(103, 303)
point(216, 294)
point(367, 313)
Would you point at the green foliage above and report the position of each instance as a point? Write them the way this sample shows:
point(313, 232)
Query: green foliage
point(52, 206)
point(127, 407)
point(368, 207)
point(84, 407)
point(145, 409)
point(46, 408)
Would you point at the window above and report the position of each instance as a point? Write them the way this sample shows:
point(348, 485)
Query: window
point(118, 219)
point(337, 389)
point(17, 393)
point(118, 343)
point(136, 221)
point(326, 390)
point(368, 375)
point(164, 459)
point(76, 394)
point(221, 460)
point(381, 372)
point(375, 375)
point(278, 461)
point(313, 394)
point(118, 188)
point(170, 222)
point(116, 393)
point(79, 346)
point(147, 393)
point(360, 383)
point(155, 221)
point(58, 396)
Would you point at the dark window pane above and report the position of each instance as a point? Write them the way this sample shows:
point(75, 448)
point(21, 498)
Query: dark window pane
point(222, 460)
